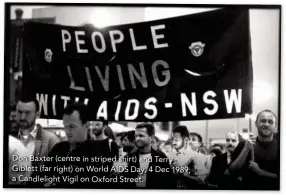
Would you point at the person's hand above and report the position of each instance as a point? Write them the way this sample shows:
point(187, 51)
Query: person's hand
point(252, 139)
point(227, 173)
point(239, 179)
point(248, 145)
point(253, 166)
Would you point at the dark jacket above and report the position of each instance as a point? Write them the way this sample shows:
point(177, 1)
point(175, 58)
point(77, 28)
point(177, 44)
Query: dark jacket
point(88, 149)
point(45, 141)
point(155, 179)
point(217, 175)
point(266, 155)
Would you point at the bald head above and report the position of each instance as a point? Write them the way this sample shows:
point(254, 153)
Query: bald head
point(267, 112)
point(266, 123)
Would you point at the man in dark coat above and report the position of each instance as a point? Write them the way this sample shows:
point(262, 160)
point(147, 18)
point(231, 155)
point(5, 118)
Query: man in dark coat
point(80, 162)
point(223, 174)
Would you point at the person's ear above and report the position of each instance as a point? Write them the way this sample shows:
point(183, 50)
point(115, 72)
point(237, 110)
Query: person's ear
point(86, 125)
point(38, 114)
point(186, 140)
point(256, 124)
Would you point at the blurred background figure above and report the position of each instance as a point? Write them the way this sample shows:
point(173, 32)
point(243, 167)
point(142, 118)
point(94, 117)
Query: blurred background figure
point(215, 151)
point(128, 142)
point(109, 133)
point(196, 143)
point(111, 141)
point(14, 127)
point(118, 137)
point(155, 143)
point(161, 145)
point(167, 147)
point(221, 147)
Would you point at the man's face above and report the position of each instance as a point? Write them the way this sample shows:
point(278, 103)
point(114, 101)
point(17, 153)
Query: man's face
point(194, 142)
point(167, 148)
point(231, 141)
point(126, 144)
point(178, 141)
point(26, 114)
point(266, 124)
point(155, 144)
point(142, 138)
point(96, 127)
point(75, 130)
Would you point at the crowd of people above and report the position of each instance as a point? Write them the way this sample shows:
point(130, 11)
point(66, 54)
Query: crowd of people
point(181, 162)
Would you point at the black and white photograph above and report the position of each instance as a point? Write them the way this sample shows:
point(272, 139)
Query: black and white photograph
point(142, 96)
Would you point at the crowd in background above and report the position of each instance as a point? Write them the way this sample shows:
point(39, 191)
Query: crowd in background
point(180, 162)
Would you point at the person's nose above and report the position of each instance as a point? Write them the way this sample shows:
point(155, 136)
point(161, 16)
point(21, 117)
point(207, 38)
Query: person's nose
point(267, 124)
point(23, 116)
point(67, 130)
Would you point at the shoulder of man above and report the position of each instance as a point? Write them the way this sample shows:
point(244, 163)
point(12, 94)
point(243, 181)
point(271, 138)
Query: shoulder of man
point(17, 147)
point(47, 134)
point(62, 144)
point(220, 158)
point(136, 153)
point(59, 147)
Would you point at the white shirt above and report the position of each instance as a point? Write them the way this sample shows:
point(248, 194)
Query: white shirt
point(29, 140)
point(17, 149)
point(228, 157)
point(186, 156)
point(144, 164)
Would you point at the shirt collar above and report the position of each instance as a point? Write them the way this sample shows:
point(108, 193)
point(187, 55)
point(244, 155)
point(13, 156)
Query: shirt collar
point(183, 150)
point(33, 133)
point(228, 153)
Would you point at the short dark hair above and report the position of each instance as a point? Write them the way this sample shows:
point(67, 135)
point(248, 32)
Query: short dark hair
point(216, 151)
point(81, 108)
point(183, 130)
point(109, 133)
point(266, 111)
point(104, 121)
point(149, 128)
point(13, 108)
point(130, 136)
point(218, 145)
point(27, 99)
point(169, 142)
point(197, 135)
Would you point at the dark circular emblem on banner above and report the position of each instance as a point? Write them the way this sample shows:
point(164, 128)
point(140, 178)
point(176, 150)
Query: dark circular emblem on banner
point(197, 48)
point(48, 55)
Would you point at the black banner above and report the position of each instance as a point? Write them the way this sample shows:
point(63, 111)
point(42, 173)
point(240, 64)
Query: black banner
point(191, 67)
